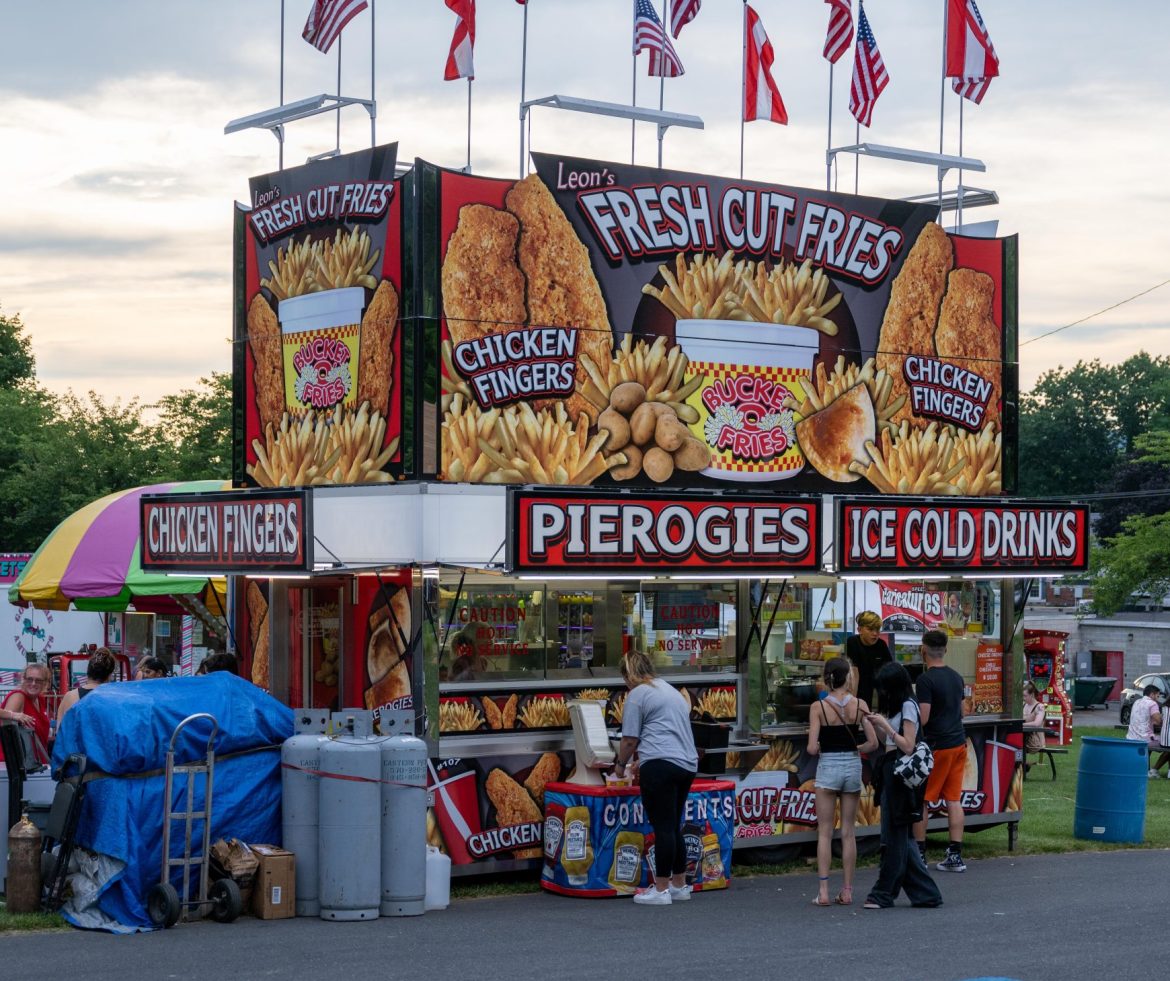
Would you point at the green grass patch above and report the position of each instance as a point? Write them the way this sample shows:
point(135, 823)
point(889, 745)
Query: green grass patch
point(29, 921)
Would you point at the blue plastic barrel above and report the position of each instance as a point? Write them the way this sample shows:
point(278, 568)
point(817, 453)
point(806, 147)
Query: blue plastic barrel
point(1111, 790)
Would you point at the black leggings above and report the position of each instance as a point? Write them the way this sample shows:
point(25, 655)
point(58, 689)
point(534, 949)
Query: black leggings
point(665, 786)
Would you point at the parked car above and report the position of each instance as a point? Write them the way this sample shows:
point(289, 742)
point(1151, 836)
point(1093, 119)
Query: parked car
point(1131, 693)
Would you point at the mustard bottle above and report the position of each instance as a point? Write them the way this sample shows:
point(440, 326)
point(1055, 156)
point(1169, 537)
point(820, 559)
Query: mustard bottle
point(712, 862)
point(626, 871)
point(577, 849)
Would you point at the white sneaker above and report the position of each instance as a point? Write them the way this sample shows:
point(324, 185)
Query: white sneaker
point(679, 894)
point(1153, 774)
point(652, 897)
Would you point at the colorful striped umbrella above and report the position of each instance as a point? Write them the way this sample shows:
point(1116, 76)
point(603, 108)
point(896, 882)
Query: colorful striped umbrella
point(91, 561)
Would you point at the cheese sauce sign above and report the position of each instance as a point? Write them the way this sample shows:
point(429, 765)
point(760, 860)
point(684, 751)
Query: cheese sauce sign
point(566, 532)
point(966, 535)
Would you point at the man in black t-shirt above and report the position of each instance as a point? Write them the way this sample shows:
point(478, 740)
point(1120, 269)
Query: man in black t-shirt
point(868, 652)
point(940, 698)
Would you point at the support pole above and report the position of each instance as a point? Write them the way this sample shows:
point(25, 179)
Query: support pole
point(373, 101)
point(523, 84)
point(743, 90)
point(829, 144)
point(662, 83)
point(469, 125)
point(942, 101)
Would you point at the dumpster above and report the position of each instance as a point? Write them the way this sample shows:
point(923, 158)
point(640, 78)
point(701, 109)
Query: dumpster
point(1091, 691)
point(1111, 790)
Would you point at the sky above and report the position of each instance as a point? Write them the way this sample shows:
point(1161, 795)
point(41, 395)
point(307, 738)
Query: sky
point(118, 182)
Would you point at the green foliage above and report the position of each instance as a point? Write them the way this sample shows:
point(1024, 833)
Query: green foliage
point(196, 425)
point(18, 367)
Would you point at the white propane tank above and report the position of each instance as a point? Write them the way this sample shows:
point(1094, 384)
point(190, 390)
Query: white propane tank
point(404, 816)
point(350, 830)
point(300, 758)
point(438, 879)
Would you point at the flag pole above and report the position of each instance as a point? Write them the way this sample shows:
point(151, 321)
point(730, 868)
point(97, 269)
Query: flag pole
point(634, 90)
point(942, 101)
point(337, 140)
point(280, 141)
point(856, 157)
point(662, 82)
point(373, 113)
point(523, 82)
point(959, 190)
point(829, 144)
point(743, 90)
point(469, 80)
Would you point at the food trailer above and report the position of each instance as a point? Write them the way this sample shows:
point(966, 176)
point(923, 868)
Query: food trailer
point(605, 406)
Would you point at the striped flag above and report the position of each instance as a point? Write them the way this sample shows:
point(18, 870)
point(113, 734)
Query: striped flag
point(869, 72)
point(682, 12)
point(649, 36)
point(971, 59)
point(839, 35)
point(761, 97)
point(460, 60)
point(327, 18)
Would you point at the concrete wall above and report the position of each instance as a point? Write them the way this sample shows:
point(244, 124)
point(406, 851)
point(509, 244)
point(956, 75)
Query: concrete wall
point(1141, 641)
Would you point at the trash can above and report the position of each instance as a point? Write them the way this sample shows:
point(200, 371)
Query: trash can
point(1088, 691)
point(1111, 790)
point(711, 735)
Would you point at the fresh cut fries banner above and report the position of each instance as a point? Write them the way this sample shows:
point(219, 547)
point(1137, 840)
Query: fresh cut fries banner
point(318, 347)
point(608, 324)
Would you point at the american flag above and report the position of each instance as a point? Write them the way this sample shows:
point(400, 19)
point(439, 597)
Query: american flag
point(682, 12)
point(327, 18)
point(839, 35)
point(649, 36)
point(460, 63)
point(869, 72)
point(971, 59)
point(761, 96)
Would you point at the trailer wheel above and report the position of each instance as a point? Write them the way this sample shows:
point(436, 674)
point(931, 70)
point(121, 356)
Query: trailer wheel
point(226, 901)
point(163, 906)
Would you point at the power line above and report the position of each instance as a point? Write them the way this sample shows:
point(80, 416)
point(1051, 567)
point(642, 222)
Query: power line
point(1119, 303)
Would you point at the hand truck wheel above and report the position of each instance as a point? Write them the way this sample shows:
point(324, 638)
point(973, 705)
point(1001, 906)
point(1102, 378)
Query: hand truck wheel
point(226, 901)
point(163, 906)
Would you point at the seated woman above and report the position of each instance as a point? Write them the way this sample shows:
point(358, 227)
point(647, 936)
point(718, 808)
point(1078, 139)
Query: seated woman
point(98, 672)
point(28, 706)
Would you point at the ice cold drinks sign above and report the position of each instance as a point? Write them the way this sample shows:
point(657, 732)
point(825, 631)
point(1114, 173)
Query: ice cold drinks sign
point(568, 532)
point(967, 535)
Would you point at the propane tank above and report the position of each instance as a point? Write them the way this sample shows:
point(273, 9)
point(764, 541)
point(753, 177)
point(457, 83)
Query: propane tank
point(300, 758)
point(24, 865)
point(349, 811)
point(404, 816)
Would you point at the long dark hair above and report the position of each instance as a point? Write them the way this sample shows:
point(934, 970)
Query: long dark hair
point(892, 684)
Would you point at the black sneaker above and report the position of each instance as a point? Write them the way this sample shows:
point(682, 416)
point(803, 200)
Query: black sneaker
point(952, 863)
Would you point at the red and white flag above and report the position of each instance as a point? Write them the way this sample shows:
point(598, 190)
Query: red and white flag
point(971, 58)
point(460, 61)
point(839, 35)
point(869, 72)
point(761, 97)
point(649, 36)
point(682, 12)
point(327, 18)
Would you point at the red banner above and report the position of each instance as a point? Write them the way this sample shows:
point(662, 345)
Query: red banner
point(965, 535)
point(571, 532)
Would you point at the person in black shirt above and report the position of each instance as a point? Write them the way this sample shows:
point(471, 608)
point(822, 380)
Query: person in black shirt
point(940, 698)
point(868, 652)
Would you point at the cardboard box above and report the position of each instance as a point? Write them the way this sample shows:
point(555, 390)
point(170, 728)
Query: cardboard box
point(274, 891)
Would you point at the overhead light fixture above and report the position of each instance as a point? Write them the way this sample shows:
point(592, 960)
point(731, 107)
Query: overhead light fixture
point(972, 197)
point(641, 114)
point(943, 161)
point(273, 119)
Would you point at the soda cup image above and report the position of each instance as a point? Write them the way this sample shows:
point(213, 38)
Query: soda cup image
point(320, 334)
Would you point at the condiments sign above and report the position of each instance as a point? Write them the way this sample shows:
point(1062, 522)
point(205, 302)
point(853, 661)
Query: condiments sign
point(967, 536)
point(581, 532)
point(257, 531)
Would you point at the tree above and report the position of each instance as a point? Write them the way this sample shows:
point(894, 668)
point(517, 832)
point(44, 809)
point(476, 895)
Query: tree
point(18, 367)
point(196, 427)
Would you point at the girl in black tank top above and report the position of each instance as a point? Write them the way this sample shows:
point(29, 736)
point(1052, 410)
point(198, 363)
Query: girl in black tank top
point(839, 732)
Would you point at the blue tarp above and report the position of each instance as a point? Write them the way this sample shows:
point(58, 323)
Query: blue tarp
point(125, 729)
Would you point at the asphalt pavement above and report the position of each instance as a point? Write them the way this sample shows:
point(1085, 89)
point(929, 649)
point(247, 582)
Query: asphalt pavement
point(1070, 917)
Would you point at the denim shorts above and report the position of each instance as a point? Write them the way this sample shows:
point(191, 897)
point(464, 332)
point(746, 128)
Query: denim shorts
point(840, 772)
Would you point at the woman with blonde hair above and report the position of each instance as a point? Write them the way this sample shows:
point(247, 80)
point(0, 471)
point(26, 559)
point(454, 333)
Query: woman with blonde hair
point(839, 732)
point(28, 706)
point(656, 728)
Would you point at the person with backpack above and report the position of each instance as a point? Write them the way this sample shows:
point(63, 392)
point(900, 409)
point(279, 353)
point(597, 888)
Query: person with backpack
point(896, 725)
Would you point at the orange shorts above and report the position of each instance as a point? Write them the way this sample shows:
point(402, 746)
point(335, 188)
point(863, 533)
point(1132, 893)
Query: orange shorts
point(946, 778)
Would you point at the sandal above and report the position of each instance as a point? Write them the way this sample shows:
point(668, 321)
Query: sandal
point(845, 896)
point(817, 899)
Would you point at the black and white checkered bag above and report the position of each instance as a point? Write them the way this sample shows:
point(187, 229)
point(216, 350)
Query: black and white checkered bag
point(913, 768)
